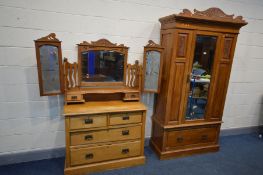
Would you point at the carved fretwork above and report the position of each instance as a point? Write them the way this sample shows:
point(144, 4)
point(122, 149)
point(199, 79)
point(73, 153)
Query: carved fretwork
point(102, 42)
point(134, 73)
point(51, 37)
point(70, 74)
point(211, 14)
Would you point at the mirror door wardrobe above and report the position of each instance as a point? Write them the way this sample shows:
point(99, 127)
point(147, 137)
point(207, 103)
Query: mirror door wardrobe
point(198, 54)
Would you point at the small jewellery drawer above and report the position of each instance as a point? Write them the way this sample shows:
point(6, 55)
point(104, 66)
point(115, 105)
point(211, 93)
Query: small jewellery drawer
point(125, 118)
point(119, 134)
point(103, 153)
point(88, 121)
point(74, 97)
point(191, 136)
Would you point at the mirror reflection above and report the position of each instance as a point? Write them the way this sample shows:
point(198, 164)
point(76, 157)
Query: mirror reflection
point(152, 70)
point(50, 68)
point(200, 76)
point(102, 66)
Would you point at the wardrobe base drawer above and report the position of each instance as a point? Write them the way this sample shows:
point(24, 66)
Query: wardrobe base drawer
point(191, 137)
point(104, 153)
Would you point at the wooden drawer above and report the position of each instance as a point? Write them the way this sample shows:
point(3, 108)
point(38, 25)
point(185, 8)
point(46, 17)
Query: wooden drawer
point(88, 121)
point(103, 153)
point(119, 134)
point(125, 118)
point(188, 137)
point(74, 97)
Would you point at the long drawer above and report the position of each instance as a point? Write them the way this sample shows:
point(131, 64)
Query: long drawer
point(190, 137)
point(88, 121)
point(119, 134)
point(103, 153)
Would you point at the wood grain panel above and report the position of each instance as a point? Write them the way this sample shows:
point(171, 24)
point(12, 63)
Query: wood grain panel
point(181, 44)
point(220, 91)
point(227, 47)
point(178, 78)
point(126, 133)
point(103, 153)
point(190, 137)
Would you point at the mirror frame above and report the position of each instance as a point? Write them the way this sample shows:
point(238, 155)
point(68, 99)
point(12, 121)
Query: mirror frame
point(152, 46)
point(50, 40)
point(105, 45)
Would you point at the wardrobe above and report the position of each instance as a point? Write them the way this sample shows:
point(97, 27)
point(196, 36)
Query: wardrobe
point(198, 54)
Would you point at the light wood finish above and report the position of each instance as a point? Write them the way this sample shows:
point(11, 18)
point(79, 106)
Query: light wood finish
point(88, 121)
point(172, 134)
point(107, 135)
point(125, 118)
point(106, 152)
point(114, 137)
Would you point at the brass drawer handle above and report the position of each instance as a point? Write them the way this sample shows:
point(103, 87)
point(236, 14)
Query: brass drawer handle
point(125, 132)
point(88, 137)
point(180, 139)
point(89, 156)
point(88, 121)
point(125, 151)
point(74, 97)
point(126, 117)
point(133, 96)
point(204, 137)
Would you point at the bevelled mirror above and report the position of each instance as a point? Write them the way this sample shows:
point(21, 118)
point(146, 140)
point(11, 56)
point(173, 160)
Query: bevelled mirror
point(102, 63)
point(152, 67)
point(49, 64)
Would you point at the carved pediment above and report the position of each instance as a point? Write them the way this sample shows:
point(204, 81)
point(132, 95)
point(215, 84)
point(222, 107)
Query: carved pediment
point(102, 42)
point(50, 37)
point(211, 14)
point(151, 43)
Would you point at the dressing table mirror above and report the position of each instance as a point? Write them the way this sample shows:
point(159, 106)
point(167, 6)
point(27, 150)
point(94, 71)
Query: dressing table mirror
point(49, 64)
point(152, 67)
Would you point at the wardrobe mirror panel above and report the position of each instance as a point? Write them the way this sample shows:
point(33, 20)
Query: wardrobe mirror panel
point(200, 76)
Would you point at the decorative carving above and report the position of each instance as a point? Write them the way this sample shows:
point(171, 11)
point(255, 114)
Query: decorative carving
point(50, 37)
point(70, 74)
point(212, 14)
point(102, 42)
point(151, 43)
point(134, 73)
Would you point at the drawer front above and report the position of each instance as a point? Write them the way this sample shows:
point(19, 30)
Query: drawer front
point(90, 121)
point(190, 137)
point(119, 134)
point(125, 118)
point(103, 153)
point(74, 97)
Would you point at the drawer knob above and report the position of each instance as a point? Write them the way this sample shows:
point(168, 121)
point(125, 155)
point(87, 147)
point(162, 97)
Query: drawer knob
point(125, 132)
point(74, 97)
point(88, 137)
point(204, 137)
point(133, 96)
point(88, 121)
point(125, 151)
point(180, 139)
point(89, 156)
point(126, 117)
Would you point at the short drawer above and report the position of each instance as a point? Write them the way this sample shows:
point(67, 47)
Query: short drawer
point(103, 153)
point(119, 134)
point(88, 121)
point(125, 118)
point(191, 136)
point(74, 97)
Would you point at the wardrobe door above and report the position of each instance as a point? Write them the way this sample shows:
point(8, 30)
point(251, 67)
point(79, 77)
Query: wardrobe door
point(222, 76)
point(178, 75)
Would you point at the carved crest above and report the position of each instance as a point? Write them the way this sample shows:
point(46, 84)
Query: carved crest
point(102, 42)
point(50, 37)
point(213, 14)
point(151, 43)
